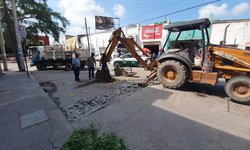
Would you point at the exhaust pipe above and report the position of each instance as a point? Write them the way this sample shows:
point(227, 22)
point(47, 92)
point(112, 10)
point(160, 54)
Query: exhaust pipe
point(225, 35)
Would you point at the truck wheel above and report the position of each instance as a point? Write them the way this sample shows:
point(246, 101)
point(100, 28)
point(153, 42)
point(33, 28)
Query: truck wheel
point(40, 66)
point(82, 65)
point(56, 66)
point(238, 89)
point(68, 66)
point(172, 74)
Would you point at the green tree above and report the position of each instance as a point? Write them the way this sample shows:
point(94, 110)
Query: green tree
point(36, 16)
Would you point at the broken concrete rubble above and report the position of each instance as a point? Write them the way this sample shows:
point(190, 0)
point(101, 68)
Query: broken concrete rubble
point(85, 107)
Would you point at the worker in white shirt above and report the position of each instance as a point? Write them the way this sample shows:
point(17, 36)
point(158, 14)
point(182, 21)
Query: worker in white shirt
point(76, 66)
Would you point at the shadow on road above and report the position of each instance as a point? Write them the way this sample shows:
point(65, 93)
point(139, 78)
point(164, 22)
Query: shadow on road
point(205, 89)
point(155, 119)
point(63, 69)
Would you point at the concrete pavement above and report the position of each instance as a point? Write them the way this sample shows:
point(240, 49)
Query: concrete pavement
point(29, 119)
point(196, 117)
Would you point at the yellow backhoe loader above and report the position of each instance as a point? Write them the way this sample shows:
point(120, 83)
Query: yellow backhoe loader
point(183, 61)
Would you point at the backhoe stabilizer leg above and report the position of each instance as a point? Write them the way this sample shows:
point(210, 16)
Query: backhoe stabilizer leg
point(148, 79)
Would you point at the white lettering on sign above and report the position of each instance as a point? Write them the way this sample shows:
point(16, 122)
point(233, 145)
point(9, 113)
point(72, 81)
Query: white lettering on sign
point(152, 32)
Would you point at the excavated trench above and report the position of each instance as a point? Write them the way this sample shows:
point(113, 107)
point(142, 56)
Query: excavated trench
point(48, 87)
point(85, 107)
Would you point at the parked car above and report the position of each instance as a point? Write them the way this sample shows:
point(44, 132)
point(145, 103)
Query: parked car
point(127, 60)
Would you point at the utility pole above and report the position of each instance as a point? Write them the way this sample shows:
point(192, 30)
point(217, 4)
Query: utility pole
point(19, 45)
point(5, 66)
point(87, 33)
point(1, 71)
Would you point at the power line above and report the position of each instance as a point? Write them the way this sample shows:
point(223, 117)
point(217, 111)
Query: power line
point(155, 10)
point(145, 3)
point(109, 3)
point(175, 12)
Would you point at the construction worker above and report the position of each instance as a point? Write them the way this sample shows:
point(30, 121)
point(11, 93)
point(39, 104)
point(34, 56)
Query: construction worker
point(91, 63)
point(104, 60)
point(37, 58)
point(76, 66)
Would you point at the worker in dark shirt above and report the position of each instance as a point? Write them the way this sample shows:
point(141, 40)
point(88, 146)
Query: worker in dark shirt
point(91, 63)
point(104, 60)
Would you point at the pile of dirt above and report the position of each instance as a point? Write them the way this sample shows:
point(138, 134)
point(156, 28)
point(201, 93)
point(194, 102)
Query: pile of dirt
point(119, 71)
point(103, 76)
point(85, 107)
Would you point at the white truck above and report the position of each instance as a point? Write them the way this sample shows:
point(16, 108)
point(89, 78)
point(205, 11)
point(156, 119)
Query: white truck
point(45, 56)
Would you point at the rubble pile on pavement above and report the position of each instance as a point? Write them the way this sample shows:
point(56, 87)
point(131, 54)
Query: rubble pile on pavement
point(85, 107)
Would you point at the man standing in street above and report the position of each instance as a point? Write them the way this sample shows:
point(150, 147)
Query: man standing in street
point(76, 66)
point(91, 63)
point(104, 60)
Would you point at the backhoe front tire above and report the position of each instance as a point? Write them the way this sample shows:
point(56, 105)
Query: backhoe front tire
point(238, 89)
point(172, 74)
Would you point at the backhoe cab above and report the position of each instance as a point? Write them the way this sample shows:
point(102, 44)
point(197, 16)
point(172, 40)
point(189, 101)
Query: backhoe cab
point(200, 61)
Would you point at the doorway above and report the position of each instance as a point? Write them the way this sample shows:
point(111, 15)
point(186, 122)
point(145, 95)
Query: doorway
point(153, 48)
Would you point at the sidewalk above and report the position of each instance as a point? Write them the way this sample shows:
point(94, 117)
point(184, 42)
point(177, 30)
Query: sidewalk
point(29, 119)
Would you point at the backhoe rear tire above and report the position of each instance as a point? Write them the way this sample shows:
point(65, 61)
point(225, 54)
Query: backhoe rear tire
point(172, 74)
point(238, 89)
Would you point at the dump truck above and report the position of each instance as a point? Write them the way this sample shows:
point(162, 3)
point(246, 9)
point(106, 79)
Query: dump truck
point(45, 56)
point(183, 61)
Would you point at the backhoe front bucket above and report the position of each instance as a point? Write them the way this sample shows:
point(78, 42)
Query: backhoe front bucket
point(103, 76)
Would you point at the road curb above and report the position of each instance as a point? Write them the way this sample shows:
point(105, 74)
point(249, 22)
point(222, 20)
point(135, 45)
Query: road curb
point(54, 108)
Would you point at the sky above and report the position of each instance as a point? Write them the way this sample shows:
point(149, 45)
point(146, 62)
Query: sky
point(143, 11)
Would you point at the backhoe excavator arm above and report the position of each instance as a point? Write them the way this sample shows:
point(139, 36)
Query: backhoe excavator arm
point(130, 44)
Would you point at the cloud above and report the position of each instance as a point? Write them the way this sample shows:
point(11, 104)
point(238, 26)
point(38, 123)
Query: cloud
point(119, 10)
point(76, 10)
point(223, 10)
point(74, 30)
point(213, 9)
point(242, 7)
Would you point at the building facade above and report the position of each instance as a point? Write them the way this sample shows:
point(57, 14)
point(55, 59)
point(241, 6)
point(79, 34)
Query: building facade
point(154, 36)
point(238, 32)
point(150, 36)
point(41, 40)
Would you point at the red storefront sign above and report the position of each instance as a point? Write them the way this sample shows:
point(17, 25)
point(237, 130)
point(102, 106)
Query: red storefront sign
point(152, 32)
